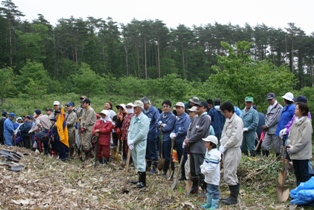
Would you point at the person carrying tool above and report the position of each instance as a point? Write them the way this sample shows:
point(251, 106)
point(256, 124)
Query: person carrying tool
point(211, 169)
point(102, 129)
point(137, 141)
point(230, 143)
point(179, 133)
point(71, 121)
point(152, 151)
point(198, 129)
point(300, 143)
point(166, 124)
point(87, 123)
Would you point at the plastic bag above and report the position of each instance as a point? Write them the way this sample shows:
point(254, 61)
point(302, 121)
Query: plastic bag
point(174, 156)
point(304, 193)
point(35, 145)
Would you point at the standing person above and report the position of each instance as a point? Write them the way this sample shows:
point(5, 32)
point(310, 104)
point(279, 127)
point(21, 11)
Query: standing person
point(198, 129)
point(210, 105)
point(300, 143)
point(49, 112)
point(71, 119)
point(271, 122)
point(192, 113)
point(56, 109)
point(3, 118)
point(41, 128)
point(250, 120)
point(108, 106)
point(8, 130)
point(286, 114)
point(103, 129)
point(125, 128)
point(137, 140)
point(87, 123)
point(230, 143)
point(152, 151)
point(179, 133)
point(79, 113)
point(120, 117)
point(23, 132)
point(259, 130)
point(166, 122)
point(217, 119)
point(211, 169)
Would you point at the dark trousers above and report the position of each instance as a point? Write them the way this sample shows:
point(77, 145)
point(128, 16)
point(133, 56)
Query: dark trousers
point(62, 150)
point(301, 170)
point(151, 148)
point(179, 149)
point(195, 161)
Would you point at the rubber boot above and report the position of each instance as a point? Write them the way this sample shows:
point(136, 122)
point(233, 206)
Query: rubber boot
point(182, 174)
point(202, 184)
point(215, 204)
point(142, 182)
point(246, 153)
point(71, 152)
point(252, 153)
point(154, 166)
point(234, 192)
point(209, 202)
point(138, 180)
point(194, 188)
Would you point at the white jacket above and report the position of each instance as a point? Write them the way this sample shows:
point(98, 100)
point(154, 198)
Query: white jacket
point(211, 166)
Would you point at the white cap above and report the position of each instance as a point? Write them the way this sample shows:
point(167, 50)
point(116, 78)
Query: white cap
point(211, 138)
point(138, 103)
point(56, 103)
point(180, 104)
point(193, 109)
point(130, 104)
point(105, 112)
point(288, 96)
point(19, 118)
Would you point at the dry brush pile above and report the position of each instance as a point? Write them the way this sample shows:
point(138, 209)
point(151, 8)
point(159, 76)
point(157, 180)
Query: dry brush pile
point(47, 183)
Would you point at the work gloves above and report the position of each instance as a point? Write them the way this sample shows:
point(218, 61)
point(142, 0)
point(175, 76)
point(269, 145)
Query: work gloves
point(289, 149)
point(173, 135)
point(245, 129)
point(283, 132)
point(131, 144)
point(83, 130)
point(222, 149)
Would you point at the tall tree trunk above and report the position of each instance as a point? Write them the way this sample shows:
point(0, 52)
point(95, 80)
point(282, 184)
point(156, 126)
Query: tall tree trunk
point(158, 59)
point(126, 58)
point(145, 58)
point(183, 64)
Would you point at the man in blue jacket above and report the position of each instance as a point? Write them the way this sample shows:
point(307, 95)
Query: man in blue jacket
point(151, 151)
point(179, 133)
point(217, 119)
point(8, 130)
point(250, 121)
point(166, 122)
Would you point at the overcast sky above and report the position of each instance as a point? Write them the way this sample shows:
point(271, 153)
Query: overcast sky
point(273, 13)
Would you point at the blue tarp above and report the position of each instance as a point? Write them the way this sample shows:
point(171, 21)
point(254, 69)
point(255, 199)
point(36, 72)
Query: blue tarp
point(303, 194)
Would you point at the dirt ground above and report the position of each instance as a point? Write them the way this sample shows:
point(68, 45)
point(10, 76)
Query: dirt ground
point(48, 183)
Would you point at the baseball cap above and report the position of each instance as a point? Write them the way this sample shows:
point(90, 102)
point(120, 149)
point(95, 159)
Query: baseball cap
point(86, 100)
point(56, 103)
point(211, 138)
point(249, 99)
point(202, 104)
point(300, 99)
point(270, 96)
point(217, 101)
point(38, 111)
point(70, 104)
point(130, 104)
point(180, 104)
point(138, 103)
point(12, 114)
point(193, 109)
point(4, 113)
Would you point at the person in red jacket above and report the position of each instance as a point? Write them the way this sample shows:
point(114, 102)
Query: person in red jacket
point(102, 129)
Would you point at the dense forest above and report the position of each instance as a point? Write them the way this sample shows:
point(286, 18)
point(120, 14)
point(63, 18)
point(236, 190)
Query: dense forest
point(53, 59)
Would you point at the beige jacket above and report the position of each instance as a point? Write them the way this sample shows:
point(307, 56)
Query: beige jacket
point(232, 133)
point(300, 137)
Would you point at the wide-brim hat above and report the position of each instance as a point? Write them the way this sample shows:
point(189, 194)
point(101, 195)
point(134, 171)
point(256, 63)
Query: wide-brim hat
point(288, 96)
point(194, 100)
point(121, 105)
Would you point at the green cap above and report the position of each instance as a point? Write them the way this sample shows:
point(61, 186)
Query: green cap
point(249, 99)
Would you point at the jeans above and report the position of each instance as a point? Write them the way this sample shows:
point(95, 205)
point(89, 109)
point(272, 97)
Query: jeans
point(212, 190)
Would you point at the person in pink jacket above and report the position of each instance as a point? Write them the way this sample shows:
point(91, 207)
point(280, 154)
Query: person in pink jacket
point(102, 129)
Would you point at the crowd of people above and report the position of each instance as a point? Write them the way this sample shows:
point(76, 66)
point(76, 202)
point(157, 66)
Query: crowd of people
point(208, 131)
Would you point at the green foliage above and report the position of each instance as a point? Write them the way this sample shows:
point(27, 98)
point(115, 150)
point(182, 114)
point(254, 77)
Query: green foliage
point(87, 82)
point(238, 75)
point(7, 86)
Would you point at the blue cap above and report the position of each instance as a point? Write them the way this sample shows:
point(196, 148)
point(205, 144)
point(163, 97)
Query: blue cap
point(300, 99)
point(70, 104)
point(12, 114)
point(4, 113)
point(38, 111)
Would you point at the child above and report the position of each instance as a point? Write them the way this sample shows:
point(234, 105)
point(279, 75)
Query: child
point(211, 169)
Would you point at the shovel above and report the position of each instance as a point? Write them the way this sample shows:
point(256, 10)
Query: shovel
point(176, 179)
point(188, 183)
point(124, 189)
point(170, 170)
point(161, 160)
point(281, 191)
